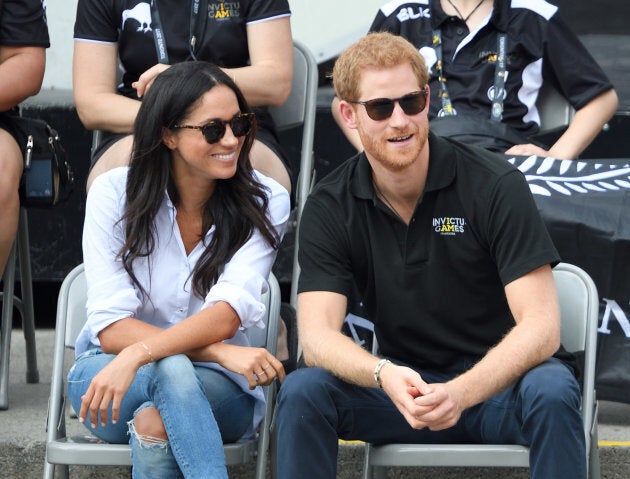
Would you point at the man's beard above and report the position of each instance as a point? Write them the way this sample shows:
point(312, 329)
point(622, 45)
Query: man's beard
point(378, 148)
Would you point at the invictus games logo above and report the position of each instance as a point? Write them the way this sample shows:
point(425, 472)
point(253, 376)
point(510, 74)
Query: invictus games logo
point(224, 10)
point(448, 225)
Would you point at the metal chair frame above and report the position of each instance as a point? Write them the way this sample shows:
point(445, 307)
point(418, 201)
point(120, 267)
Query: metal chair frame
point(24, 306)
point(300, 109)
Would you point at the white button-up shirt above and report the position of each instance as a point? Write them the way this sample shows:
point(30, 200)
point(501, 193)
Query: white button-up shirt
point(166, 274)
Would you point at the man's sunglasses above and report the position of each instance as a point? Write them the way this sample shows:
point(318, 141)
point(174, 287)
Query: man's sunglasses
point(382, 108)
point(240, 124)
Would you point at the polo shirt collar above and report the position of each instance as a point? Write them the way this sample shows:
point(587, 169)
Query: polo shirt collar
point(441, 170)
point(500, 15)
point(438, 17)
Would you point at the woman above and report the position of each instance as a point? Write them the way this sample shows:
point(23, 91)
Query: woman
point(250, 40)
point(177, 249)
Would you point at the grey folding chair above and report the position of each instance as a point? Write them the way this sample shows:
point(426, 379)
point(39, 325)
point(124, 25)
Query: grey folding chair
point(579, 311)
point(80, 450)
point(300, 109)
point(554, 109)
point(23, 304)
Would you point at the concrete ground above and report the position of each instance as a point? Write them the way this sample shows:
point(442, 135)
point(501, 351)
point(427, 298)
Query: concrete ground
point(23, 433)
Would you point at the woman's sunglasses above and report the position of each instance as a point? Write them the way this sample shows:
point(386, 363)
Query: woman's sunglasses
point(382, 108)
point(240, 124)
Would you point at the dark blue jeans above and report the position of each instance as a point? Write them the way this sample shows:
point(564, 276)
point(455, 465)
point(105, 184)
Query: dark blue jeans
point(541, 411)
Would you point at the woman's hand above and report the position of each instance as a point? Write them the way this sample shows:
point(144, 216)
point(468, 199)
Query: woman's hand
point(257, 365)
point(147, 78)
point(111, 384)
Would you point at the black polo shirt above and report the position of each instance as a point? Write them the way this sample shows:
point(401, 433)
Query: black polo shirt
point(540, 47)
point(128, 23)
point(23, 24)
point(434, 289)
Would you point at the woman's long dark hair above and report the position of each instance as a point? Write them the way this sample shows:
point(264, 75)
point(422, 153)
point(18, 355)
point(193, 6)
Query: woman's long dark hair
point(237, 206)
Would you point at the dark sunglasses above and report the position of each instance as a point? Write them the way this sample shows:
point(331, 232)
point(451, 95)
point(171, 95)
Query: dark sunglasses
point(240, 124)
point(382, 108)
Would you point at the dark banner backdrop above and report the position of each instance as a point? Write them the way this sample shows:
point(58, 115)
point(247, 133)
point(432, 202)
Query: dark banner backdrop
point(586, 206)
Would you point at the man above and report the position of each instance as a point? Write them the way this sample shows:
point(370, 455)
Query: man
point(23, 40)
point(452, 260)
point(539, 48)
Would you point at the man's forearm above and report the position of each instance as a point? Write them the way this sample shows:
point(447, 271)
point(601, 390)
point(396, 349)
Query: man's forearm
point(340, 355)
point(518, 352)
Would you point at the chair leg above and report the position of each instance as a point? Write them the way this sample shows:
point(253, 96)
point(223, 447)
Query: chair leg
point(273, 447)
point(594, 471)
point(63, 471)
point(28, 313)
point(367, 473)
point(372, 472)
point(6, 326)
point(49, 470)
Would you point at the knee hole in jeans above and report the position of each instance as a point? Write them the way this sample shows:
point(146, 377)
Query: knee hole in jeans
point(148, 426)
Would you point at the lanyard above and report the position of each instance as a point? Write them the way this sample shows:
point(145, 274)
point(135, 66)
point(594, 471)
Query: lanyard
point(500, 71)
point(193, 37)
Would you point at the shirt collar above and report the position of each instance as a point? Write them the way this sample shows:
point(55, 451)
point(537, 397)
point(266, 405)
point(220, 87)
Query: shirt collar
point(500, 15)
point(441, 170)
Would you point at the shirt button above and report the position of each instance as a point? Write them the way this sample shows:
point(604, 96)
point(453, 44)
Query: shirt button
point(460, 31)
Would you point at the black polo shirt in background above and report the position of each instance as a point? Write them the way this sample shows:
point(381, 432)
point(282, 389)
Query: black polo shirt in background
point(434, 289)
point(23, 24)
point(540, 47)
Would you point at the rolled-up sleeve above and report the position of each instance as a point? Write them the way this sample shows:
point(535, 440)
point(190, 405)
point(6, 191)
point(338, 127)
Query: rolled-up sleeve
point(244, 278)
point(111, 295)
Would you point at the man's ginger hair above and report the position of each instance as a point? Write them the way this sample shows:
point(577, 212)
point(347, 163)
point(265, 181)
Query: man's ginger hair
point(375, 50)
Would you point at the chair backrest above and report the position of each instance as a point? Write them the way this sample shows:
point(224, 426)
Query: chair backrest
point(296, 109)
point(554, 109)
point(300, 109)
point(579, 315)
point(72, 298)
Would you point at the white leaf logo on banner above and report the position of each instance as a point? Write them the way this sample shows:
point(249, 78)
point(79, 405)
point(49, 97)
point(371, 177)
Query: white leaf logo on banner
point(575, 176)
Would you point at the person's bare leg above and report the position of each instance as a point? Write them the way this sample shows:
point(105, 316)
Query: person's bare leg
point(10, 175)
point(267, 162)
point(282, 350)
point(148, 424)
point(116, 155)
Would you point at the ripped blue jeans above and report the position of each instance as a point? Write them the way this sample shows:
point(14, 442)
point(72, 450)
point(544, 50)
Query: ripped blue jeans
point(201, 408)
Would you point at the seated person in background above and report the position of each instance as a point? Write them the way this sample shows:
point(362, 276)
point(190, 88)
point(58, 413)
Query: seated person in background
point(252, 43)
point(23, 43)
point(479, 99)
point(178, 248)
point(447, 248)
